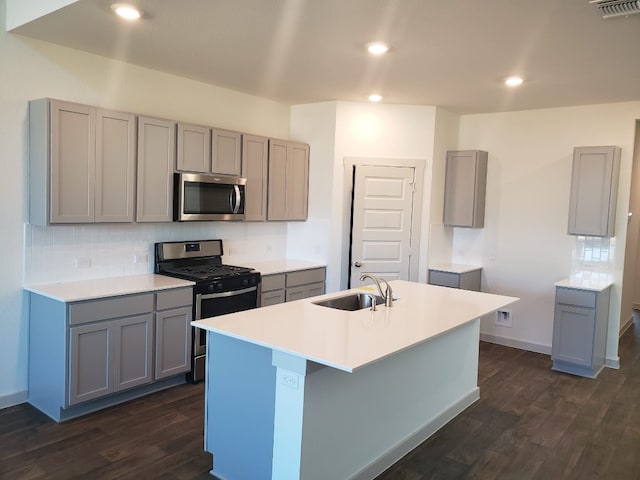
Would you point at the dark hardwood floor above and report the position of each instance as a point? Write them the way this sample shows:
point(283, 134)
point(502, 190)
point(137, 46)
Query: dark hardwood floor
point(530, 423)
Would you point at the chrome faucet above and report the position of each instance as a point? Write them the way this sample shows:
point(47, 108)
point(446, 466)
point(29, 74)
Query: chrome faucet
point(387, 295)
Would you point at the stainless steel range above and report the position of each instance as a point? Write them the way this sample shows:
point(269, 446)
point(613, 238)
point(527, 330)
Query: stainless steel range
point(219, 289)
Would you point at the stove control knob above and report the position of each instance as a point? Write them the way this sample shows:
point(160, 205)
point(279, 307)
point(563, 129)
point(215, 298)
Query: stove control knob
point(210, 287)
point(245, 281)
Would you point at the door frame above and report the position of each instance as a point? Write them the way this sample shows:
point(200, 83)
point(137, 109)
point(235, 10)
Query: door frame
point(349, 163)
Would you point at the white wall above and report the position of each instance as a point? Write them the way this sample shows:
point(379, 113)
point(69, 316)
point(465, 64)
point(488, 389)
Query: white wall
point(524, 248)
point(33, 69)
point(336, 130)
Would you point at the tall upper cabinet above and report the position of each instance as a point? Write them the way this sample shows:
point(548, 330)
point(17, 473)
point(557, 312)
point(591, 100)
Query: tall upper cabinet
point(465, 188)
point(156, 162)
point(255, 154)
point(594, 191)
point(82, 162)
point(288, 180)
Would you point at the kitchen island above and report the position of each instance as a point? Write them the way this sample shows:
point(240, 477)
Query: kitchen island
point(303, 391)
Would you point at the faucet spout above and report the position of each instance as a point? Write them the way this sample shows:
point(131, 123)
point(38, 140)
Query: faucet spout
point(388, 293)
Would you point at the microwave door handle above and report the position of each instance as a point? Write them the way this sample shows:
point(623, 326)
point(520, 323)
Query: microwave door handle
point(235, 208)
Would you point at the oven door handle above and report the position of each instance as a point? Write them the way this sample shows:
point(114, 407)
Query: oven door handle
point(233, 293)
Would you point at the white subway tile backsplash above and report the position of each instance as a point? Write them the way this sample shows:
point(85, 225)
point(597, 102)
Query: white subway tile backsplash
point(593, 254)
point(51, 252)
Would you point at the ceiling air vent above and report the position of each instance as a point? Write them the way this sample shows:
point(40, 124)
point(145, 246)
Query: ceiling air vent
point(617, 8)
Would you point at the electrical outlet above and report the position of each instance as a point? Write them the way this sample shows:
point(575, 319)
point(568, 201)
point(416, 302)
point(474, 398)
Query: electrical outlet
point(290, 380)
point(82, 262)
point(503, 318)
point(141, 257)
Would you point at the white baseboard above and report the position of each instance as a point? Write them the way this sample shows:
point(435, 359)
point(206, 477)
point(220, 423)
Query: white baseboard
point(383, 462)
point(511, 342)
point(13, 399)
point(612, 362)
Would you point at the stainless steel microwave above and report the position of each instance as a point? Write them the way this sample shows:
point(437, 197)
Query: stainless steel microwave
point(205, 197)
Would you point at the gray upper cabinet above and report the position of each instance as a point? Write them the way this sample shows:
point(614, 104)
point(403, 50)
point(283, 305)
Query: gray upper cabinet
point(594, 191)
point(288, 180)
point(194, 148)
point(465, 188)
point(81, 163)
point(255, 155)
point(156, 163)
point(226, 158)
point(115, 166)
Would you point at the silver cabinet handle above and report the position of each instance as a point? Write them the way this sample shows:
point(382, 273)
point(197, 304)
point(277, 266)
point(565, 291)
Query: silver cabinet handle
point(357, 264)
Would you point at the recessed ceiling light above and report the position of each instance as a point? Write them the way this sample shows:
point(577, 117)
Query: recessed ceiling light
point(513, 81)
point(374, 97)
point(377, 48)
point(128, 12)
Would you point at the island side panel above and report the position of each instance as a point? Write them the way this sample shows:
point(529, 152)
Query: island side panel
point(358, 424)
point(239, 408)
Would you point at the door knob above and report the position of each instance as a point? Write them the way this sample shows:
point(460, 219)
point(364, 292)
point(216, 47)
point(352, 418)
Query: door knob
point(357, 264)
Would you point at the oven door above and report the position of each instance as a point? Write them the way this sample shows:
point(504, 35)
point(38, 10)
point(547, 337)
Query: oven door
point(221, 303)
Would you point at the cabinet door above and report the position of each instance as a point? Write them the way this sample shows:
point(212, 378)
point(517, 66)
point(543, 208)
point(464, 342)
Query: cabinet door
point(298, 181)
point(90, 370)
point(255, 152)
point(73, 147)
point(272, 298)
point(132, 352)
point(594, 191)
point(194, 148)
point(277, 193)
point(315, 289)
point(156, 161)
point(465, 187)
point(573, 334)
point(173, 342)
point(115, 166)
point(296, 293)
point(226, 152)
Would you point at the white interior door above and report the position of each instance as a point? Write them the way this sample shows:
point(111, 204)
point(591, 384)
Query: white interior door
point(381, 228)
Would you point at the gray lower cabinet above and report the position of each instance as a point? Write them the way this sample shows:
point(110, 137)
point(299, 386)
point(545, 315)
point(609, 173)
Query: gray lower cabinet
point(293, 285)
point(580, 331)
point(91, 354)
point(109, 356)
point(465, 188)
point(173, 333)
point(466, 280)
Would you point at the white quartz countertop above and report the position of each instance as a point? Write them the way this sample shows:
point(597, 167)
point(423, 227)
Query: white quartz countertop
point(270, 267)
point(455, 268)
point(350, 340)
point(595, 281)
point(107, 287)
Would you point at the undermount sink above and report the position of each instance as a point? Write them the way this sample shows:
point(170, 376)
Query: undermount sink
point(351, 302)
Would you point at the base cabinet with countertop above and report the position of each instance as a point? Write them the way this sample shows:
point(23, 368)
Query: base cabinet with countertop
point(92, 353)
point(466, 277)
point(580, 330)
point(287, 285)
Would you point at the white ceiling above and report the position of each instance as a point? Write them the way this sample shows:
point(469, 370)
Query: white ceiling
point(449, 53)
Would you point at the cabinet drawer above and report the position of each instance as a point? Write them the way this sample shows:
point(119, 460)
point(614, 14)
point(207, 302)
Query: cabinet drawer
point(444, 279)
point(180, 297)
point(93, 310)
point(302, 277)
point(273, 282)
point(572, 296)
point(272, 298)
